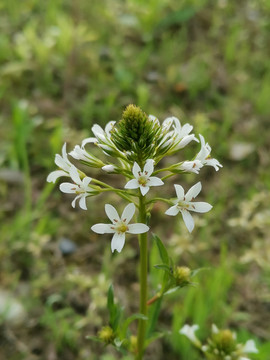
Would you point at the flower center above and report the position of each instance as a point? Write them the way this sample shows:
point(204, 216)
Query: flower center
point(143, 180)
point(122, 227)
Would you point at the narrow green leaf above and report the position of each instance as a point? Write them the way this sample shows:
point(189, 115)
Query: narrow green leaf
point(110, 299)
point(164, 267)
point(129, 321)
point(153, 317)
point(162, 250)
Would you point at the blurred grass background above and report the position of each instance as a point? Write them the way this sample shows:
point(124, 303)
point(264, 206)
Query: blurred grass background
point(65, 65)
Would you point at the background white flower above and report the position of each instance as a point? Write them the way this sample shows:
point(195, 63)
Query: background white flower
point(143, 179)
point(80, 187)
point(189, 332)
point(63, 163)
point(184, 204)
point(250, 347)
point(119, 226)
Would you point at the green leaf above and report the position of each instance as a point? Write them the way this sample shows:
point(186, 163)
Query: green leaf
point(129, 321)
point(162, 250)
point(196, 271)
point(114, 310)
point(93, 338)
point(172, 290)
point(164, 267)
point(153, 317)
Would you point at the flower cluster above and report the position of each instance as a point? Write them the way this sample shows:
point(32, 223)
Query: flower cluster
point(134, 146)
point(221, 345)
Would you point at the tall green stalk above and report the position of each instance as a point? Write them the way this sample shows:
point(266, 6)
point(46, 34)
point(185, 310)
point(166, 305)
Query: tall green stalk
point(143, 280)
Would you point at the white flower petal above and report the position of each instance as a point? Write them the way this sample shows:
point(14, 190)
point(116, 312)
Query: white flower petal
point(54, 175)
point(98, 132)
point(213, 162)
point(214, 329)
point(73, 172)
point(86, 181)
point(148, 167)
point(193, 191)
point(179, 191)
point(108, 168)
point(109, 127)
point(138, 228)
point(144, 189)
point(103, 228)
point(188, 220)
point(82, 202)
point(118, 241)
point(68, 188)
point(128, 213)
point(136, 170)
point(132, 184)
point(155, 181)
point(73, 204)
point(112, 213)
point(250, 347)
point(200, 207)
point(172, 211)
point(60, 162)
point(88, 140)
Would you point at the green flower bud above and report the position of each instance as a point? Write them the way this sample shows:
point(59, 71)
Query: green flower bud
point(136, 135)
point(106, 334)
point(224, 341)
point(182, 275)
point(133, 344)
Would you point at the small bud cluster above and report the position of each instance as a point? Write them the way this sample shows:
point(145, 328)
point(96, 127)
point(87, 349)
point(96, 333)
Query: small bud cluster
point(221, 345)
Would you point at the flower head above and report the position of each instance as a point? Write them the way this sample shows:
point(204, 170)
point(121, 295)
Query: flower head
point(63, 163)
point(119, 226)
point(143, 179)
point(185, 203)
point(80, 187)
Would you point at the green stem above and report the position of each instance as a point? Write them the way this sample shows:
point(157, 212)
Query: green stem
point(143, 280)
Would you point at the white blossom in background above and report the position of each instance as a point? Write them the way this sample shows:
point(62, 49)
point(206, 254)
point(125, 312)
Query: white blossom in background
point(119, 226)
point(189, 332)
point(143, 178)
point(80, 187)
point(185, 203)
point(63, 163)
point(249, 347)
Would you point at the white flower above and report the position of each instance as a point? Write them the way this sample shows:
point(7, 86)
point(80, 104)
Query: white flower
point(79, 153)
point(250, 347)
point(119, 226)
point(80, 187)
point(179, 137)
point(143, 179)
point(204, 155)
point(102, 138)
point(191, 166)
point(184, 204)
point(189, 332)
point(63, 163)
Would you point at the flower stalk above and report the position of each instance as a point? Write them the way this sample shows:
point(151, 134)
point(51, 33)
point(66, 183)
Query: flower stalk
point(143, 279)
